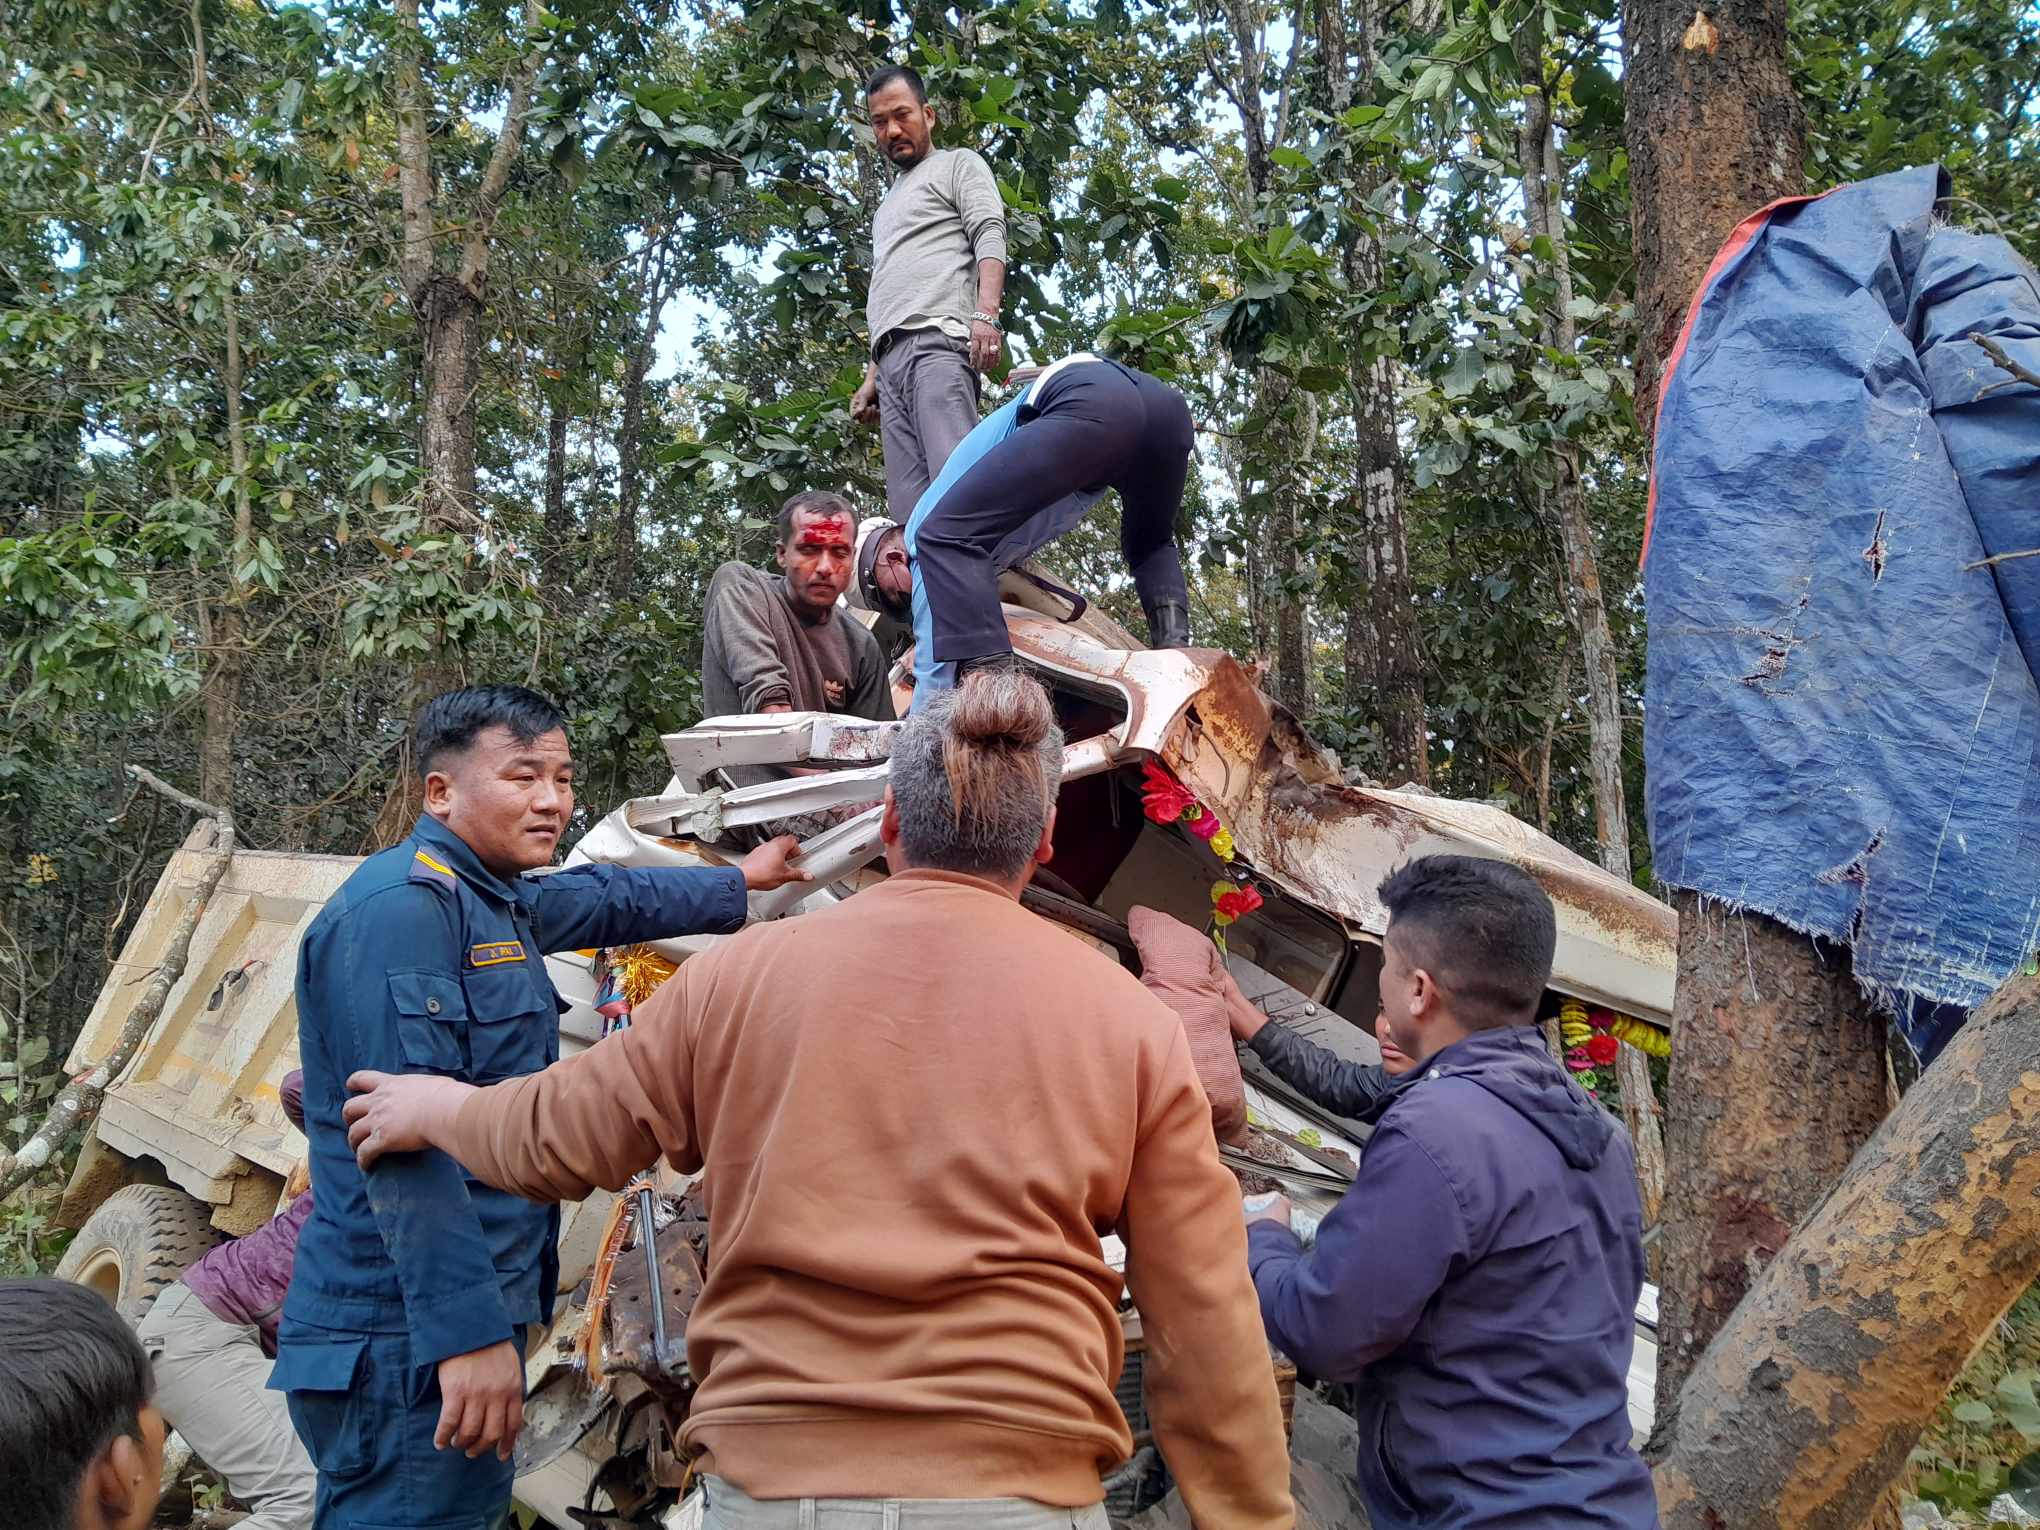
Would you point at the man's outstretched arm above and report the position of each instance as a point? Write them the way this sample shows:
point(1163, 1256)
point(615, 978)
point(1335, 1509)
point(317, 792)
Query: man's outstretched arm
point(591, 1121)
point(1381, 1255)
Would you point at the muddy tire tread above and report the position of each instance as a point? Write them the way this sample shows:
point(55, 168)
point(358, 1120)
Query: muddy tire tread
point(158, 1232)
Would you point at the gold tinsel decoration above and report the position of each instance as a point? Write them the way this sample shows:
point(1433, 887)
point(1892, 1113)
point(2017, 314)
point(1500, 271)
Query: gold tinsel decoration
point(639, 971)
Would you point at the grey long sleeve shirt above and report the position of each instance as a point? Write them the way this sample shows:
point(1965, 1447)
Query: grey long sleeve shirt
point(936, 223)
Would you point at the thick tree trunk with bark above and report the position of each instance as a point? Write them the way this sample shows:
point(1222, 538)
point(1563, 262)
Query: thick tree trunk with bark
point(1286, 416)
point(1777, 1078)
point(1357, 653)
point(1398, 646)
point(451, 317)
point(1777, 1062)
point(1714, 132)
point(1803, 1409)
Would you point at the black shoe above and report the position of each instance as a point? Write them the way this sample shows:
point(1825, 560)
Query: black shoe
point(1168, 626)
point(1003, 663)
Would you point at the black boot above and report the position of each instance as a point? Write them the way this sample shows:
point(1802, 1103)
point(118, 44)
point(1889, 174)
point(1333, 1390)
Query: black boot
point(1168, 625)
point(1006, 662)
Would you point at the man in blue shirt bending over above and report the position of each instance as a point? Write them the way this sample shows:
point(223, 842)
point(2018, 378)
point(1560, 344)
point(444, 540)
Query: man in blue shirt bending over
point(1029, 472)
point(401, 1349)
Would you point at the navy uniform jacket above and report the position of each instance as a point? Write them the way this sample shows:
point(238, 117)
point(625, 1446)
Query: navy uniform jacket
point(426, 962)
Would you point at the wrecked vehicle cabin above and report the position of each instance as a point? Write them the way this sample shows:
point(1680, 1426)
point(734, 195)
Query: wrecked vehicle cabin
point(192, 1143)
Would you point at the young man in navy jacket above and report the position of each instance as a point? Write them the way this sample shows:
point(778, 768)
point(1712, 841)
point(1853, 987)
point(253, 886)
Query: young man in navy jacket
point(1479, 1281)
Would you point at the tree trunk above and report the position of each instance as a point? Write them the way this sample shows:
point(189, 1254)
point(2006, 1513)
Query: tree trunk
point(1777, 1063)
point(226, 638)
point(1714, 132)
point(451, 310)
point(220, 703)
point(1358, 651)
point(1394, 645)
point(1803, 1409)
point(1290, 418)
point(1398, 646)
point(451, 318)
point(1777, 1078)
point(630, 447)
point(1544, 210)
point(559, 524)
point(1292, 609)
point(226, 659)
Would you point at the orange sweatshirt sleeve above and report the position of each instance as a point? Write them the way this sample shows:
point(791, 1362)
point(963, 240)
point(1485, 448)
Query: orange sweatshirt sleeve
point(592, 1120)
point(1210, 1381)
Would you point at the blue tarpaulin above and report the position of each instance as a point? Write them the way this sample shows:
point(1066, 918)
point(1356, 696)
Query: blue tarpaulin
point(1842, 726)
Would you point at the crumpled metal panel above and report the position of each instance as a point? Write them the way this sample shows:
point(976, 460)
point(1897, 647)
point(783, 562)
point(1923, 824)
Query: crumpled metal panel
point(1297, 822)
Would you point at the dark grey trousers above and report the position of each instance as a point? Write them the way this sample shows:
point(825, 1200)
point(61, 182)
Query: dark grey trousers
point(927, 402)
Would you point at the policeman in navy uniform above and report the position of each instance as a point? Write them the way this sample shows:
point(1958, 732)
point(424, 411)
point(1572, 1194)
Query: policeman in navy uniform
point(402, 1342)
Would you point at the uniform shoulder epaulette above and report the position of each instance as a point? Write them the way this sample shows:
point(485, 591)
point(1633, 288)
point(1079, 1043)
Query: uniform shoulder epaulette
point(425, 868)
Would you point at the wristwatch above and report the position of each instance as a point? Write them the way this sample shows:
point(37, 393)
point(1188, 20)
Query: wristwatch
point(981, 317)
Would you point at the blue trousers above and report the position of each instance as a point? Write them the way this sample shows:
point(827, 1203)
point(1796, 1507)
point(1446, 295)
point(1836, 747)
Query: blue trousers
point(1034, 469)
point(366, 1416)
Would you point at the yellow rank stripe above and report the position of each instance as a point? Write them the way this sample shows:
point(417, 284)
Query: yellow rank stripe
point(496, 953)
point(448, 870)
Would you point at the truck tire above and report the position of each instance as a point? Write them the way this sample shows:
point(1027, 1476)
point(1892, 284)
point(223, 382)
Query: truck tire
point(139, 1241)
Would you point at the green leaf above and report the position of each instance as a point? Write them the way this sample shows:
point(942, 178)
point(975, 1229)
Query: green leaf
point(1465, 373)
point(33, 1052)
point(1290, 159)
point(2020, 1407)
point(1172, 188)
point(1975, 1413)
point(1360, 116)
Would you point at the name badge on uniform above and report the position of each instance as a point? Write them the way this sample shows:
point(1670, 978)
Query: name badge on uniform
point(495, 953)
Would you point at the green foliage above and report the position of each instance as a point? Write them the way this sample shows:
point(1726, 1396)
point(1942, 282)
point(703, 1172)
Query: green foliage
point(698, 179)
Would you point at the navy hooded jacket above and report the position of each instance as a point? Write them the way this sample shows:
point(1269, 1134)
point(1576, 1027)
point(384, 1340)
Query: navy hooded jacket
point(1479, 1283)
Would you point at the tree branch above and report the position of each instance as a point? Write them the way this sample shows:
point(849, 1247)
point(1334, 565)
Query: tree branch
point(1996, 353)
point(474, 260)
point(78, 1102)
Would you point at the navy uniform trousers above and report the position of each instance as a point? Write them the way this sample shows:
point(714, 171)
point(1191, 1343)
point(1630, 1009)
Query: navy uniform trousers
point(1029, 472)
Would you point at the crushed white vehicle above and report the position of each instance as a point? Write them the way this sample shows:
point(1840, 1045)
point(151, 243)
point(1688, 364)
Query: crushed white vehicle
point(192, 1143)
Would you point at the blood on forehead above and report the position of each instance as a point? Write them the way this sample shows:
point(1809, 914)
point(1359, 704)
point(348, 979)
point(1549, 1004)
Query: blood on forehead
point(823, 529)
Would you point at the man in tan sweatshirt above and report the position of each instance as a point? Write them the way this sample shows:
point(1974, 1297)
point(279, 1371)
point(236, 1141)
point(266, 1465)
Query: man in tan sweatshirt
point(919, 1112)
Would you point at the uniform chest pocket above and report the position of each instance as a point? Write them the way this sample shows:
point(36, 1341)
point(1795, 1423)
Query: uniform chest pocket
point(432, 1018)
point(512, 1020)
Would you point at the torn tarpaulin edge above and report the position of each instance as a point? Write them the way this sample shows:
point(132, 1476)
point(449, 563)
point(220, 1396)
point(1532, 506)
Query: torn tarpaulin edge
point(1898, 1003)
